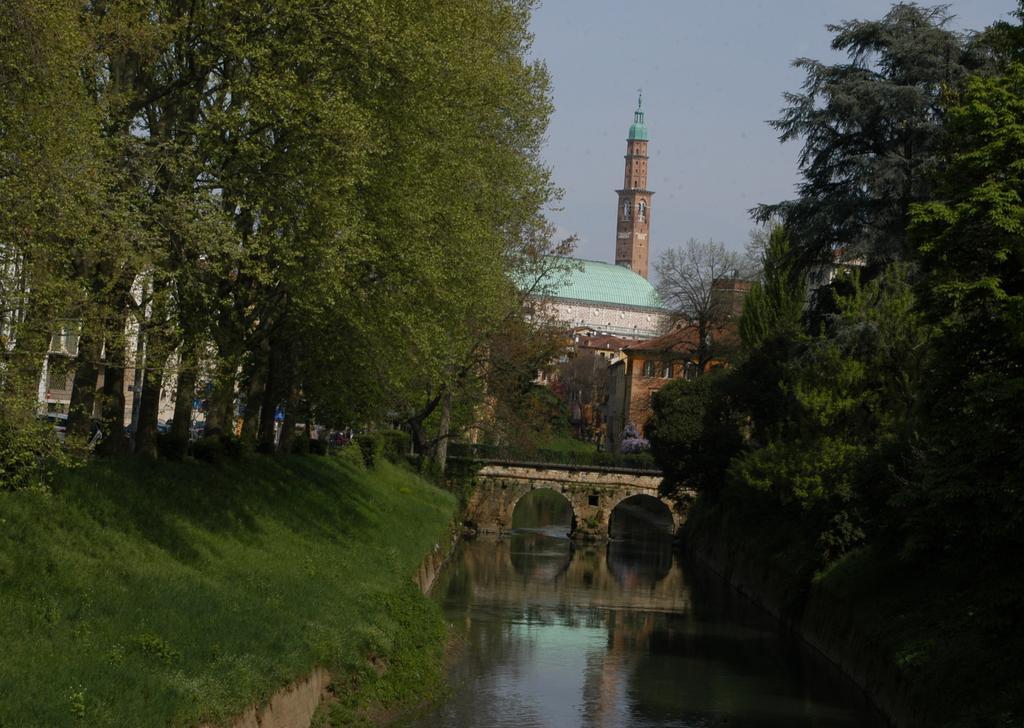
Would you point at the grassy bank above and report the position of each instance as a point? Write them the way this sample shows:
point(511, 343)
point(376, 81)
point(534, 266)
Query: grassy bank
point(938, 643)
point(169, 593)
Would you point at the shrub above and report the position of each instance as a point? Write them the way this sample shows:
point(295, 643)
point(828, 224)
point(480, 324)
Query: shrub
point(633, 441)
point(300, 445)
point(234, 448)
point(215, 447)
point(318, 447)
point(209, 449)
point(430, 470)
point(644, 459)
point(171, 446)
point(391, 445)
point(352, 455)
point(693, 435)
point(396, 443)
point(371, 445)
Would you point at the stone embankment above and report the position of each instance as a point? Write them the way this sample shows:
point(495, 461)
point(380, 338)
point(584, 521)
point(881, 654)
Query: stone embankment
point(290, 707)
point(817, 616)
point(294, 705)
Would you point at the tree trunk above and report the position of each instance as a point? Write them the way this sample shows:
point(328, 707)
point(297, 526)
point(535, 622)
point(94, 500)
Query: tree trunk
point(272, 396)
point(415, 423)
point(181, 426)
point(149, 408)
point(31, 345)
point(290, 418)
point(112, 403)
point(220, 404)
point(441, 455)
point(83, 391)
point(254, 399)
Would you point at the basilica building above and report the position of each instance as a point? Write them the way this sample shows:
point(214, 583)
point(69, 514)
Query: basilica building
point(616, 299)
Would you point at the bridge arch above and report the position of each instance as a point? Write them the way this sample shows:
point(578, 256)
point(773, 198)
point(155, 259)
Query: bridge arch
point(520, 499)
point(592, 493)
point(645, 508)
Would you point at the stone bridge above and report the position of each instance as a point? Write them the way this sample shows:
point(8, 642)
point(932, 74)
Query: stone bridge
point(592, 494)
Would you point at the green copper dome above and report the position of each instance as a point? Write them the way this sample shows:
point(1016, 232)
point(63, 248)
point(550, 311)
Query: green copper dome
point(638, 131)
point(590, 281)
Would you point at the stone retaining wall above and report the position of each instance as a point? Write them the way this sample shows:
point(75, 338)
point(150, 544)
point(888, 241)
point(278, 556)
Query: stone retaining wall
point(294, 705)
point(819, 618)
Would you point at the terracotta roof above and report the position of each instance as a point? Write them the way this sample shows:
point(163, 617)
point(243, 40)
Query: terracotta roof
point(604, 341)
point(681, 340)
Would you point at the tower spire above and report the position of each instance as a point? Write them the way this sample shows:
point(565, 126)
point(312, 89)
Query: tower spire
point(634, 210)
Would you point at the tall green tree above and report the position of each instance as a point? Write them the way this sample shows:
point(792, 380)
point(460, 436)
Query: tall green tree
point(970, 245)
point(775, 302)
point(871, 130)
point(325, 207)
point(830, 434)
point(53, 182)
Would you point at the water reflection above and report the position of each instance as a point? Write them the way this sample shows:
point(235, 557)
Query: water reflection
point(619, 634)
point(636, 563)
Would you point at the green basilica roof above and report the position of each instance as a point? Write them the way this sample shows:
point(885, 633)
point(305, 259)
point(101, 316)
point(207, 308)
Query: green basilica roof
point(591, 281)
point(638, 131)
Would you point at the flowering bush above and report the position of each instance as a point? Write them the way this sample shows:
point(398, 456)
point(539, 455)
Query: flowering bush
point(633, 441)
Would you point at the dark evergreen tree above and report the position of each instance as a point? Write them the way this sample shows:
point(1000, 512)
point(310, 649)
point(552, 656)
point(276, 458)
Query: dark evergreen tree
point(775, 302)
point(871, 129)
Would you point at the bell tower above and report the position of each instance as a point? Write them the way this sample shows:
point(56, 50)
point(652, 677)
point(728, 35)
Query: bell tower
point(633, 219)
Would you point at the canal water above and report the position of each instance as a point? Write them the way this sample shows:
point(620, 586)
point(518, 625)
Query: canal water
point(554, 633)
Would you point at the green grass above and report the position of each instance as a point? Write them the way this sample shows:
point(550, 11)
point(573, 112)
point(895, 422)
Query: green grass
point(567, 444)
point(154, 594)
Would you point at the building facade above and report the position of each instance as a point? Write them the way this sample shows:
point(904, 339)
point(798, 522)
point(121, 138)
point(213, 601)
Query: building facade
point(605, 299)
point(643, 369)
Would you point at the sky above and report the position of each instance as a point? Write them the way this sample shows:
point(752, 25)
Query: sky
point(712, 72)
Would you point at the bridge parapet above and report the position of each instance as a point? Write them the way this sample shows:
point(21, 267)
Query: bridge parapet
point(592, 493)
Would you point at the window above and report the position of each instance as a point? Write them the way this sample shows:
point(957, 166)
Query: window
point(666, 370)
point(641, 211)
point(648, 368)
point(626, 210)
point(64, 342)
point(56, 377)
point(592, 500)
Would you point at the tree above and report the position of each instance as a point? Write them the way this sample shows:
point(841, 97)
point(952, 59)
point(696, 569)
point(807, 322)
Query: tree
point(692, 432)
point(871, 131)
point(307, 180)
point(53, 180)
point(776, 301)
point(831, 414)
point(970, 246)
point(583, 379)
point(516, 410)
point(687, 281)
point(324, 207)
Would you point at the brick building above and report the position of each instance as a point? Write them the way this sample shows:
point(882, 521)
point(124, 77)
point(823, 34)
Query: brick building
point(644, 368)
